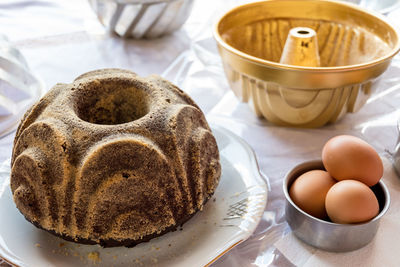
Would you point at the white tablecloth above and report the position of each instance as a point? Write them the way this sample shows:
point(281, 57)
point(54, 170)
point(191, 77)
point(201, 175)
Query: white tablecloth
point(62, 39)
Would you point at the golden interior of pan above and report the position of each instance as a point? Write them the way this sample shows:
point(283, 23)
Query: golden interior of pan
point(345, 36)
point(339, 44)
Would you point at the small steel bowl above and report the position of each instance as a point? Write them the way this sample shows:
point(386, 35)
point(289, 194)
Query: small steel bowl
point(250, 39)
point(142, 18)
point(324, 234)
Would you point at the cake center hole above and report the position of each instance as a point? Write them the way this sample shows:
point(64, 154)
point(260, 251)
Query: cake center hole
point(112, 104)
point(303, 32)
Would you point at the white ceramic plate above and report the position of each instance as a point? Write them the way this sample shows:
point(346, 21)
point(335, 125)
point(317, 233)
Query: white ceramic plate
point(231, 218)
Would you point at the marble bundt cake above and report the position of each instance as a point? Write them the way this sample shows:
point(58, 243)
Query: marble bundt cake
point(113, 159)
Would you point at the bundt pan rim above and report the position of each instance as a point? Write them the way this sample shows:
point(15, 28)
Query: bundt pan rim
point(336, 69)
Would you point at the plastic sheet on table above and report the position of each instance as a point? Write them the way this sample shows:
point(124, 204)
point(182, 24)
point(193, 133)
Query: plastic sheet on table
point(19, 88)
point(199, 72)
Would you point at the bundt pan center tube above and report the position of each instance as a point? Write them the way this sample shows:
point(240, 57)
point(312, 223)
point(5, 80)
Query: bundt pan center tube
point(113, 159)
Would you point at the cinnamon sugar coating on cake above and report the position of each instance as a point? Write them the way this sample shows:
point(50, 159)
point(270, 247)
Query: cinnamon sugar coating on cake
point(113, 159)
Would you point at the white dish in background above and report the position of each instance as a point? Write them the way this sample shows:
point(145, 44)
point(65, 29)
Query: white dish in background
point(240, 201)
point(142, 18)
point(382, 6)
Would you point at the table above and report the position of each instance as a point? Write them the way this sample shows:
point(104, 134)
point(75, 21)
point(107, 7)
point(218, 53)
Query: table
point(62, 39)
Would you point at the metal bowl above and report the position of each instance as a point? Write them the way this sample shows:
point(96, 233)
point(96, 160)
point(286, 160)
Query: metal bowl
point(324, 234)
point(355, 46)
point(142, 18)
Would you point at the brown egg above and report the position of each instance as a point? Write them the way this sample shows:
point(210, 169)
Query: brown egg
point(348, 157)
point(351, 201)
point(309, 190)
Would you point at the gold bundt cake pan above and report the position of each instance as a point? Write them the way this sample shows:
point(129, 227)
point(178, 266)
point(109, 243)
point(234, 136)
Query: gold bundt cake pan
point(355, 47)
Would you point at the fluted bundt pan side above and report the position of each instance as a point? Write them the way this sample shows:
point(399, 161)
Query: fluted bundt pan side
point(113, 159)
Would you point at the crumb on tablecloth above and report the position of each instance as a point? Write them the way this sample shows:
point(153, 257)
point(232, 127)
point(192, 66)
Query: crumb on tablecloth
point(94, 256)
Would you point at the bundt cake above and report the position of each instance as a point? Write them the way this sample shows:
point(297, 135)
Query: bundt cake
point(113, 159)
